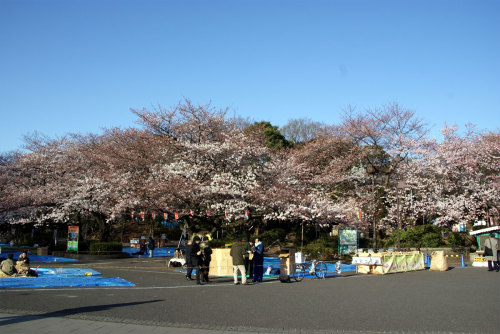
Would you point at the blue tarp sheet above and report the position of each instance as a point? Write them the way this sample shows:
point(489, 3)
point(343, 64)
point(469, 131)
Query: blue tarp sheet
point(41, 258)
point(66, 272)
point(73, 281)
point(62, 277)
point(159, 252)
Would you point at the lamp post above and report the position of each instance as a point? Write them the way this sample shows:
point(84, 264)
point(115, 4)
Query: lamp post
point(399, 186)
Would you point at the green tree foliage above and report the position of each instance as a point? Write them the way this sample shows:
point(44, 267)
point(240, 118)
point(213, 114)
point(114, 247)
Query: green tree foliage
point(419, 236)
point(321, 248)
point(271, 135)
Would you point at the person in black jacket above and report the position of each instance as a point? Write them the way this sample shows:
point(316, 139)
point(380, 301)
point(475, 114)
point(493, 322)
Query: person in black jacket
point(206, 255)
point(189, 265)
point(196, 261)
point(151, 246)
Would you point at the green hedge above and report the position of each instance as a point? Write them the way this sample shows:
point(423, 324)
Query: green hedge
point(322, 248)
point(270, 236)
point(105, 248)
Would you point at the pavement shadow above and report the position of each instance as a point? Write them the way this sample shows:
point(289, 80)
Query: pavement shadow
point(68, 312)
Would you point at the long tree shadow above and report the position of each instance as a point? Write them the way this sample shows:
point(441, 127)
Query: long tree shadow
point(15, 319)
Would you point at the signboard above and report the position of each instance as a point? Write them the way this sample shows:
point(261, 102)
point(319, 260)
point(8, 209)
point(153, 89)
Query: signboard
point(348, 240)
point(73, 232)
point(393, 263)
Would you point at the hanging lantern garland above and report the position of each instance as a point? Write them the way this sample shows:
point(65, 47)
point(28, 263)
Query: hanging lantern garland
point(208, 213)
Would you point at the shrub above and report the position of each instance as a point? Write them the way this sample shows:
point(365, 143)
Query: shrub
point(60, 247)
point(28, 240)
point(217, 243)
point(322, 248)
point(456, 240)
point(419, 236)
point(105, 248)
point(268, 237)
point(431, 240)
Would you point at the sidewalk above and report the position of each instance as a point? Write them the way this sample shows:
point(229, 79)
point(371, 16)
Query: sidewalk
point(22, 324)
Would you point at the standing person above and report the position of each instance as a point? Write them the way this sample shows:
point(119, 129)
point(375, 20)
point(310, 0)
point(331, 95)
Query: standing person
point(189, 265)
point(249, 259)
point(491, 252)
point(237, 252)
point(206, 255)
point(196, 258)
point(151, 246)
point(258, 261)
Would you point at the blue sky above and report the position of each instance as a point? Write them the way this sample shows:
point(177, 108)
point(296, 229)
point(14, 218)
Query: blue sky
point(80, 65)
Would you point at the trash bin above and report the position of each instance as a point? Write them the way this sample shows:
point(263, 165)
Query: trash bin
point(287, 264)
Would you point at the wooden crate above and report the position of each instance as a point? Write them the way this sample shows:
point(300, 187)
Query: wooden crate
point(221, 263)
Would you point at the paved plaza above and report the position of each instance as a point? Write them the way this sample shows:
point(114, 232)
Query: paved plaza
point(461, 300)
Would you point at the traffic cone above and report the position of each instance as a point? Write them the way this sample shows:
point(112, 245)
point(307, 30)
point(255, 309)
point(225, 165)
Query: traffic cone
point(462, 262)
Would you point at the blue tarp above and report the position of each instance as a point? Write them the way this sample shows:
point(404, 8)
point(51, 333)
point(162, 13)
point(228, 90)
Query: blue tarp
point(40, 258)
point(159, 252)
point(62, 277)
point(66, 272)
point(56, 281)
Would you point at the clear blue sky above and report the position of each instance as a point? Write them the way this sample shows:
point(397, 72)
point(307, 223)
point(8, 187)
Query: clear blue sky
point(79, 65)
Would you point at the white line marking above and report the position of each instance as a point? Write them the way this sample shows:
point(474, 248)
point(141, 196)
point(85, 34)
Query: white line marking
point(132, 287)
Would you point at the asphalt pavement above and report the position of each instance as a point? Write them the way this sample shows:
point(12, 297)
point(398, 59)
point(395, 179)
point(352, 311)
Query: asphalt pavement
point(461, 300)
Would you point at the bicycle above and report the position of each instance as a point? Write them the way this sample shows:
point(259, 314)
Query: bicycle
point(315, 267)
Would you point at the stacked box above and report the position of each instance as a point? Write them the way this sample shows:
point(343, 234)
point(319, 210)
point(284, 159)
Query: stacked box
point(221, 263)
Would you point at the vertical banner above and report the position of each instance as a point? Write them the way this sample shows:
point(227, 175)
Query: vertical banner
point(348, 240)
point(73, 232)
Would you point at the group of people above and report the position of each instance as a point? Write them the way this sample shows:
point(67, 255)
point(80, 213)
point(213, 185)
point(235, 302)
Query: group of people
point(21, 267)
point(198, 256)
point(491, 252)
point(248, 259)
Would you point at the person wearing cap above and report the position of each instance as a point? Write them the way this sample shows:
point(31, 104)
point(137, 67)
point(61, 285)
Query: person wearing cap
point(491, 252)
point(196, 258)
